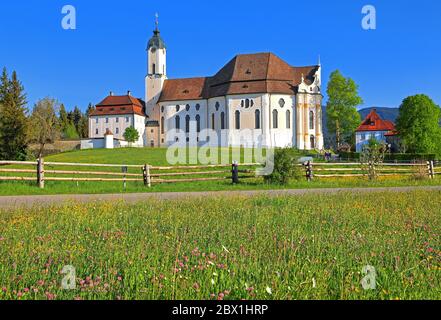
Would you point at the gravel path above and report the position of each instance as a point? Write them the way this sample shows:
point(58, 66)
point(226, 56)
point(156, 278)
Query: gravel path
point(9, 202)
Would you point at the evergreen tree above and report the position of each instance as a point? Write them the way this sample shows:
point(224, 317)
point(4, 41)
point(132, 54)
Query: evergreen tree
point(13, 120)
point(64, 121)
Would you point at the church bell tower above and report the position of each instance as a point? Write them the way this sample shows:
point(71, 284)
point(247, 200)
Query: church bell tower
point(156, 70)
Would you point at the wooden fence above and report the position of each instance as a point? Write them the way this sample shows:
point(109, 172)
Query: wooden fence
point(47, 171)
point(146, 173)
point(335, 170)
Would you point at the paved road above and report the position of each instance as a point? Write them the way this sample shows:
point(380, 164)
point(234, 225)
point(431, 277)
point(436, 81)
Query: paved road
point(8, 202)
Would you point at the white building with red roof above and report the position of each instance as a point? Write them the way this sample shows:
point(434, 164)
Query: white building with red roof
point(254, 100)
point(373, 127)
point(115, 114)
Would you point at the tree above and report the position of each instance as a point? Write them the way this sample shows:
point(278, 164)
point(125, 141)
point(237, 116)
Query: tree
point(131, 135)
point(418, 124)
point(44, 125)
point(372, 157)
point(342, 115)
point(13, 118)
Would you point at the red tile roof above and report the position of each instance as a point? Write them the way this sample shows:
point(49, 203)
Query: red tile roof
point(244, 74)
point(119, 105)
point(373, 122)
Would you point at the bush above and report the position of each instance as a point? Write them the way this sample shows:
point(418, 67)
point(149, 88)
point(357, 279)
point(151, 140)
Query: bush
point(285, 166)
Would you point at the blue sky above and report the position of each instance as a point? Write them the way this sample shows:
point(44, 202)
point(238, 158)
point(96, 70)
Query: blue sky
point(107, 50)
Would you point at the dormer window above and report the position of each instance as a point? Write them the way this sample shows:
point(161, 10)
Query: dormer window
point(186, 91)
point(248, 71)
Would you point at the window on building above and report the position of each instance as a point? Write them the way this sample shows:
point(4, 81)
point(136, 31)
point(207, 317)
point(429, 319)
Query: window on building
point(222, 120)
point(242, 103)
point(154, 68)
point(117, 130)
point(282, 103)
point(247, 103)
point(198, 123)
point(187, 107)
point(212, 121)
point(217, 106)
point(237, 118)
point(257, 119)
point(162, 125)
point(312, 138)
point(288, 119)
point(127, 119)
point(275, 119)
point(96, 131)
point(96, 120)
point(178, 108)
point(187, 123)
point(162, 109)
point(107, 120)
point(198, 106)
point(311, 120)
point(177, 123)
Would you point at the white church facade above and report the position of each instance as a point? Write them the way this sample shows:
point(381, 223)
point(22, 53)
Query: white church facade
point(254, 100)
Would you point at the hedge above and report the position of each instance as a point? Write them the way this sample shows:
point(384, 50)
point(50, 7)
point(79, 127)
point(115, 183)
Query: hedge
point(392, 156)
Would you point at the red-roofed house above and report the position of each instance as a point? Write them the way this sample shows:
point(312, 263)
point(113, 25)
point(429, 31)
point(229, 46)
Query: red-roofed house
point(115, 114)
point(373, 127)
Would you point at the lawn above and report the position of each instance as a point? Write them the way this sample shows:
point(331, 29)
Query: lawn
point(157, 157)
point(305, 247)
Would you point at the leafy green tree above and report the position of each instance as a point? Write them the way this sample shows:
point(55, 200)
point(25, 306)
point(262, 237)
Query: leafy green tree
point(131, 135)
point(44, 125)
point(13, 118)
point(342, 115)
point(418, 124)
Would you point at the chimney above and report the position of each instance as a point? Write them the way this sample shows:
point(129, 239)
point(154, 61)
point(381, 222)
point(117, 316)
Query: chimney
point(111, 93)
point(129, 93)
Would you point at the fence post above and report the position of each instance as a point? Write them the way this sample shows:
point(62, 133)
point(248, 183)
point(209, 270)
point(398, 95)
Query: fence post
point(235, 172)
point(431, 170)
point(40, 173)
point(309, 173)
point(149, 178)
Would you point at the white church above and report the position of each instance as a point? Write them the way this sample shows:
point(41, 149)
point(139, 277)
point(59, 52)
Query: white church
point(254, 100)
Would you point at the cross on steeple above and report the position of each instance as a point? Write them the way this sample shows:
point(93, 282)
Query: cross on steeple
point(157, 21)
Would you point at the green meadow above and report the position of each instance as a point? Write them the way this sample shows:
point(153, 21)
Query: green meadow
point(298, 247)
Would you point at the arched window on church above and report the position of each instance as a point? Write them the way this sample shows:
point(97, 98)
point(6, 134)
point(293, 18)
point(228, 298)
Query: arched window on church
point(222, 120)
point(198, 123)
point(312, 138)
point(311, 120)
point(257, 119)
point(187, 123)
point(162, 125)
point(153, 68)
point(177, 123)
point(288, 119)
point(275, 119)
point(237, 119)
point(212, 121)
